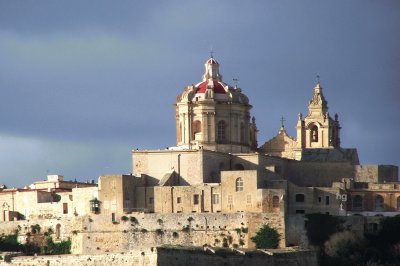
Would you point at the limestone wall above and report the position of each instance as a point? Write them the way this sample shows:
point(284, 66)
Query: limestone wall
point(97, 234)
point(168, 256)
point(145, 257)
point(155, 164)
point(101, 235)
point(376, 173)
point(176, 256)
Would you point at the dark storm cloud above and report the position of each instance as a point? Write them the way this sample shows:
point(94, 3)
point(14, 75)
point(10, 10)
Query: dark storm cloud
point(83, 82)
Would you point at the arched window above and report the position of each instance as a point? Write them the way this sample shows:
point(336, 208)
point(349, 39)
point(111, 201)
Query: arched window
point(379, 203)
point(275, 202)
point(357, 202)
point(239, 184)
point(300, 198)
point(398, 203)
point(58, 227)
point(196, 128)
point(221, 131)
point(314, 133)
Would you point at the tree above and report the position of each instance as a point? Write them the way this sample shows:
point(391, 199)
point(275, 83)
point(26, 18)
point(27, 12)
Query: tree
point(266, 237)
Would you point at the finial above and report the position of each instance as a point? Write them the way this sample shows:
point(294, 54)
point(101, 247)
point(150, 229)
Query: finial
point(235, 80)
point(212, 52)
point(317, 79)
point(282, 122)
point(300, 116)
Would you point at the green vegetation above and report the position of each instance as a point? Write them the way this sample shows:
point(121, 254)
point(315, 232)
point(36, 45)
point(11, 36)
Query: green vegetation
point(36, 243)
point(63, 247)
point(186, 228)
point(10, 243)
point(133, 220)
point(346, 248)
point(124, 218)
point(266, 237)
point(35, 229)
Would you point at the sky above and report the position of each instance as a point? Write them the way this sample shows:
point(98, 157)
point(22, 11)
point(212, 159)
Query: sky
point(84, 82)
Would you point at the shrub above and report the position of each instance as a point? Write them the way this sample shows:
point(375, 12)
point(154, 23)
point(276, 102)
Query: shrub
point(190, 219)
point(159, 221)
point(143, 230)
point(389, 233)
point(63, 247)
point(341, 243)
point(134, 220)
point(35, 229)
point(345, 248)
point(159, 231)
point(186, 228)
point(266, 237)
point(175, 234)
point(124, 218)
point(10, 243)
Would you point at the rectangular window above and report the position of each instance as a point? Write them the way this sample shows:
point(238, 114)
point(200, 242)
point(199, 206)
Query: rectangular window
point(151, 200)
point(248, 199)
point(65, 208)
point(230, 200)
point(195, 199)
point(300, 211)
point(319, 199)
point(326, 200)
point(215, 198)
point(178, 200)
point(300, 198)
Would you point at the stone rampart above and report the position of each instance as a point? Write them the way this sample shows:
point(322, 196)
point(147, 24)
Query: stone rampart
point(168, 255)
point(98, 234)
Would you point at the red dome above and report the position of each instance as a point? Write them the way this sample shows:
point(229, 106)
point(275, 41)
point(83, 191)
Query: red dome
point(218, 87)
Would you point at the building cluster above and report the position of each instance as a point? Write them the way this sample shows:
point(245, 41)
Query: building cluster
point(218, 167)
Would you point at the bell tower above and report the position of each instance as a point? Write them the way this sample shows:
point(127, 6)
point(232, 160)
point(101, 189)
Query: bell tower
point(318, 129)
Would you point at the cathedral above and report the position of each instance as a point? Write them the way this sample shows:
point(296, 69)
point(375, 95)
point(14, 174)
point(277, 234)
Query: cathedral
point(218, 168)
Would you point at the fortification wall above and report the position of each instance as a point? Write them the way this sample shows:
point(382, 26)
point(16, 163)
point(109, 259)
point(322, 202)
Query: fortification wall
point(221, 230)
point(98, 234)
point(175, 256)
